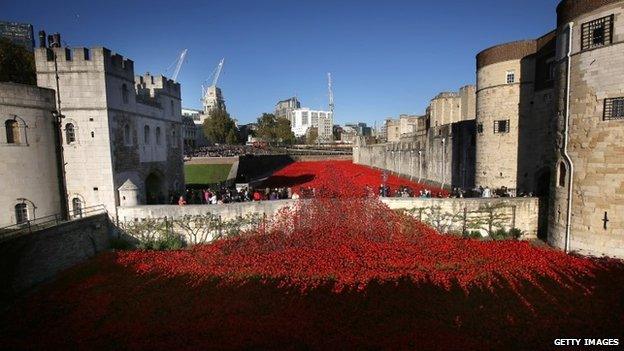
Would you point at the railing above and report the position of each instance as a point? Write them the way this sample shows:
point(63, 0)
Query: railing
point(30, 226)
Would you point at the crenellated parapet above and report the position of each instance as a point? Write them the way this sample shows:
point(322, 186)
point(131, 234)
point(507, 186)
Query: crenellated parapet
point(82, 59)
point(154, 85)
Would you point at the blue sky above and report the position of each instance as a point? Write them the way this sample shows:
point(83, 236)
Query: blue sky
point(386, 57)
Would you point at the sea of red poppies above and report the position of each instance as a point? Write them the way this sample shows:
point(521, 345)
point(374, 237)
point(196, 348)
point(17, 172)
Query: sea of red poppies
point(331, 273)
point(341, 179)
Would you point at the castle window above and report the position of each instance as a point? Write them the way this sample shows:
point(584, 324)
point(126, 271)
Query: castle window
point(157, 135)
point(171, 101)
point(562, 175)
point(597, 33)
point(146, 135)
point(70, 133)
point(127, 139)
point(12, 132)
point(124, 93)
point(480, 128)
point(77, 207)
point(511, 77)
point(501, 126)
point(21, 213)
point(613, 108)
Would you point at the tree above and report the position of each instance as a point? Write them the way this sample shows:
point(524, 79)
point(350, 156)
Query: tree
point(218, 125)
point(266, 127)
point(273, 129)
point(16, 63)
point(231, 138)
point(311, 135)
point(283, 132)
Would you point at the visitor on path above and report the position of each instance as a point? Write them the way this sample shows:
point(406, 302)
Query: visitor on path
point(181, 201)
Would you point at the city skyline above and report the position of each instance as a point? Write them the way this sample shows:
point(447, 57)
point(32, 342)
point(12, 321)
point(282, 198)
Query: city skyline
point(278, 49)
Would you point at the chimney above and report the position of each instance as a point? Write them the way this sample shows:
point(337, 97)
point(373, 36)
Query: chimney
point(42, 39)
point(57, 39)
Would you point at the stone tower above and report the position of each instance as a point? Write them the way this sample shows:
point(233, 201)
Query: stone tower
point(587, 186)
point(514, 114)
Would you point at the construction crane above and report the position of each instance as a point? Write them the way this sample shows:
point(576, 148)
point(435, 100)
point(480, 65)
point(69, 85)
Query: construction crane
point(178, 65)
point(215, 77)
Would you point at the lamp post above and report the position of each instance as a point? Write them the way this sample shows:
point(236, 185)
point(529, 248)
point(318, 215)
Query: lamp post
point(419, 165)
point(411, 163)
point(54, 41)
point(443, 161)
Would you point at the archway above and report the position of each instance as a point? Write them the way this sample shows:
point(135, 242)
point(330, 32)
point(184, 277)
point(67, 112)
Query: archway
point(153, 189)
point(542, 190)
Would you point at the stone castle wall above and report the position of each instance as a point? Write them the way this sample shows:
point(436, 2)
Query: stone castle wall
point(515, 159)
point(595, 144)
point(35, 258)
point(29, 167)
point(126, 127)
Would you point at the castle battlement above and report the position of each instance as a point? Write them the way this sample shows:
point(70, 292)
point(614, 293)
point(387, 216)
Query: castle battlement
point(83, 59)
point(156, 84)
point(446, 94)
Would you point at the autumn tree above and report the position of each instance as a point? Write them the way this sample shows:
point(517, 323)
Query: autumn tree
point(219, 127)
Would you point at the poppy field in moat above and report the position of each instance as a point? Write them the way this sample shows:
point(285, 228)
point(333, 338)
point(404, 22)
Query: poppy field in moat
point(337, 272)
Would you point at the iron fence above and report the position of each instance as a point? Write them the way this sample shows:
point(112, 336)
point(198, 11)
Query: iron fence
point(35, 224)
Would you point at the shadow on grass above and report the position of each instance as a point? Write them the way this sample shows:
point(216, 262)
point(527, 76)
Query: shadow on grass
point(104, 305)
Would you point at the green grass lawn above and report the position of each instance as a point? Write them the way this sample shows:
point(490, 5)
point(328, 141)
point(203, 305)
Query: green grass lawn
point(206, 174)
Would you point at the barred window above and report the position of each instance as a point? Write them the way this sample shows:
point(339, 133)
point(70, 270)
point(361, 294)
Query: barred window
point(511, 77)
point(614, 108)
point(480, 128)
point(70, 133)
point(501, 126)
point(12, 131)
point(21, 213)
point(596, 33)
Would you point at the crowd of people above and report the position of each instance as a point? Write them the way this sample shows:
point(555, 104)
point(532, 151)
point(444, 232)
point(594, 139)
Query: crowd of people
point(486, 192)
point(226, 195)
point(225, 151)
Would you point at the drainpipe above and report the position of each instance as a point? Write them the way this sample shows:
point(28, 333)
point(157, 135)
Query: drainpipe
point(566, 130)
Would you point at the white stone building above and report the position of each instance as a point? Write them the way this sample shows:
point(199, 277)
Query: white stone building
point(28, 168)
point(198, 117)
point(116, 127)
point(304, 118)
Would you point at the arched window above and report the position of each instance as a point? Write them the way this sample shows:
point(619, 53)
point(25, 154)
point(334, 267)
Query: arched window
point(21, 213)
point(157, 135)
point(146, 135)
point(127, 137)
point(77, 207)
point(12, 131)
point(124, 93)
point(70, 133)
point(562, 174)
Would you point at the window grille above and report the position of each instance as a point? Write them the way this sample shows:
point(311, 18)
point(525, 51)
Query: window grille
point(480, 128)
point(501, 126)
point(12, 132)
point(613, 108)
point(21, 213)
point(77, 207)
point(511, 77)
point(596, 33)
point(70, 133)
